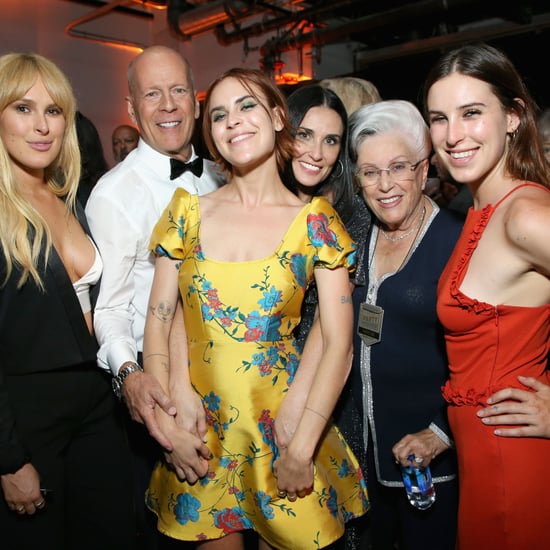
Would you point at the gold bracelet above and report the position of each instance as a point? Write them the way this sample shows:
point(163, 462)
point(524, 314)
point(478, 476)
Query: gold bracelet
point(317, 413)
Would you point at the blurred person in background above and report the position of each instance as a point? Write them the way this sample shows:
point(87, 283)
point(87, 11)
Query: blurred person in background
point(124, 139)
point(92, 158)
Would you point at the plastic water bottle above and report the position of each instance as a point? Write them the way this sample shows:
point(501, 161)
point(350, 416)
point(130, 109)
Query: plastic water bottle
point(418, 483)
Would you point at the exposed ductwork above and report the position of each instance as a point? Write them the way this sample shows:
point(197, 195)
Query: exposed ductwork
point(382, 28)
point(189, 19)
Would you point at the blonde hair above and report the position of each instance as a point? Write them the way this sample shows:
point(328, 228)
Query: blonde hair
point(354, 92)
point(23, 231)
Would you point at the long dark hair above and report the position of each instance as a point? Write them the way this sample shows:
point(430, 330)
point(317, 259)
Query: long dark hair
point(525, 160)
point(339, 180)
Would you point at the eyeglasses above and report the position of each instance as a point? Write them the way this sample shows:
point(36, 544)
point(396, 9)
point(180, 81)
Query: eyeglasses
point(397, 171)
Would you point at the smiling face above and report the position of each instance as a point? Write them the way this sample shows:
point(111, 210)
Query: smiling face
point(395, 204)
point(242, 126)
point(163, 102)
point(32, 130)
point(317, 145)
point(469, 128)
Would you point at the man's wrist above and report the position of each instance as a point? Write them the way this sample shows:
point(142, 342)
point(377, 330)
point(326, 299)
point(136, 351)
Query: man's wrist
point(123, 373)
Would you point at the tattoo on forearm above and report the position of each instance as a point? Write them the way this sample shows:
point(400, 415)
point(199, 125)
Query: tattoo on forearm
point(163, 311)
point(345, 299)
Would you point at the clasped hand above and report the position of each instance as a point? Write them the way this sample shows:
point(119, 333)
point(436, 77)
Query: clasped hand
point(187, 432)
point(294, 475)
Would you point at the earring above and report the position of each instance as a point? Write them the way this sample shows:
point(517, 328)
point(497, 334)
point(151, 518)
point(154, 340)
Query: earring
point(339, 175)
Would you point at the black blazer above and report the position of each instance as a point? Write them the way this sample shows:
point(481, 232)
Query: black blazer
point(40, 331)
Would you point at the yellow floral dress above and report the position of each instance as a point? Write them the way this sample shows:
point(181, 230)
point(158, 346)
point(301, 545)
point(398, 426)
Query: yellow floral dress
point(239, 318)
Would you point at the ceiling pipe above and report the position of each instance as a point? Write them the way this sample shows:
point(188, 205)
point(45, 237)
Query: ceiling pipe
point(187, 20)
point(363, 24)
point(258, 29)
point(72, 31)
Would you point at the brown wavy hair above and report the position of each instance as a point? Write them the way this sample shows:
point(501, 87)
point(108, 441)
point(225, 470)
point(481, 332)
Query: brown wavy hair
point(254, 81)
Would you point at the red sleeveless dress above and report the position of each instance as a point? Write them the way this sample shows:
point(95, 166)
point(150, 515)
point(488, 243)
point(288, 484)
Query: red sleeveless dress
point(504, 482)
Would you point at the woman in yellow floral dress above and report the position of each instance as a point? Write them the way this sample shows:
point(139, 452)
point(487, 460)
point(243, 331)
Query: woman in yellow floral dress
point(242, 258)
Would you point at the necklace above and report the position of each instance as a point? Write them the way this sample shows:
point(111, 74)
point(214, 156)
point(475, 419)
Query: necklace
point(409, 232)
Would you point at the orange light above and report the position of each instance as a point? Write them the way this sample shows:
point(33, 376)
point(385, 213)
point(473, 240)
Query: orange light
point(291, 78)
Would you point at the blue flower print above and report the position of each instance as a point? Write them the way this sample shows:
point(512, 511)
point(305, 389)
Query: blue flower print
point(212, 401)
point(352, 256)
point(262, 328)
point(344, 470)
point(332, 502)
point(181, 223)
point(186, 508)
point(298, 264)
point(271, 298)
point(291, 367)
point(263, 502)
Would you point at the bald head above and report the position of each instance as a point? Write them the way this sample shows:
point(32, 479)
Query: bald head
point(160, 55)
point(124, 139)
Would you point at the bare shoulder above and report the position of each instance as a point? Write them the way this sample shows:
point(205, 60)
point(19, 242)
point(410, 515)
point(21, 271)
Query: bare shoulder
point(528, 209)
point(527, 222)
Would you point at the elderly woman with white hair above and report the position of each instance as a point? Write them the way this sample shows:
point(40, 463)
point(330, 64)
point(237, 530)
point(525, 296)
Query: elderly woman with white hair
point(399, 361)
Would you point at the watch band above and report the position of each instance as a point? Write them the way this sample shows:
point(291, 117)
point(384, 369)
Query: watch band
point(118, 380)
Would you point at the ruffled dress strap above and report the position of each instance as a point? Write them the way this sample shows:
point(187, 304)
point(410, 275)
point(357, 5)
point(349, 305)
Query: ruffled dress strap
point(476, 223)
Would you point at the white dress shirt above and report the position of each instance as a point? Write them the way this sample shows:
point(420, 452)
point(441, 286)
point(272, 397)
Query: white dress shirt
point(122, 210)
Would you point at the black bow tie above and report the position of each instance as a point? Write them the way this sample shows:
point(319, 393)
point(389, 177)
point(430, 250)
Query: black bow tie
point(178, 167)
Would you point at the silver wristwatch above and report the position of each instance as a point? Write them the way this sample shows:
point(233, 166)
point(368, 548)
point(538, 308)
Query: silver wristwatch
point(118, 380)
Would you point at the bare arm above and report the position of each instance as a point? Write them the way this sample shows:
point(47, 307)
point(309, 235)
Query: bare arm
point(294, 469)
point(164, 338)
point(292, 406)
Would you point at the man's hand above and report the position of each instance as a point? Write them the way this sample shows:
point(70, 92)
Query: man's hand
point(529, 410)
point(142, 393)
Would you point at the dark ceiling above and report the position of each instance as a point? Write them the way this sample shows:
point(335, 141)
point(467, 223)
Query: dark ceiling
point(394, 42)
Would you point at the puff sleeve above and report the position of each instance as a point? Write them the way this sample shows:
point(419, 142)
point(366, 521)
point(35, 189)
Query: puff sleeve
point(176, 232)
point(329, 237)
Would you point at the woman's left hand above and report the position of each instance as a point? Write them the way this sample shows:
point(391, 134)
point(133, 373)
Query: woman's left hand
point(425, 445)
point(528, 410)
point(294, 475)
